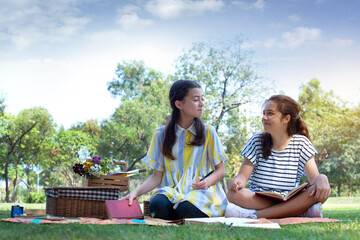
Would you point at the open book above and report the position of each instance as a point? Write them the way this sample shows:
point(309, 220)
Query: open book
point(278, 196)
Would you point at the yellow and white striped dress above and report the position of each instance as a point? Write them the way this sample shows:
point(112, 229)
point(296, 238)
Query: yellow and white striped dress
point(191, 162)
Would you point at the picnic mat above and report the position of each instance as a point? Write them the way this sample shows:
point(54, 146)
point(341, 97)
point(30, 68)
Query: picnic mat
point(233, 222)
point(81, 220)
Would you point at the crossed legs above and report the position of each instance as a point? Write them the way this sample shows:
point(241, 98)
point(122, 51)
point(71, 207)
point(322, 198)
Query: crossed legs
point(267, 208)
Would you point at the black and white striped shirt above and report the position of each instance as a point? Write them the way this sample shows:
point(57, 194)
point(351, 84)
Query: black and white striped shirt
point(282, 170)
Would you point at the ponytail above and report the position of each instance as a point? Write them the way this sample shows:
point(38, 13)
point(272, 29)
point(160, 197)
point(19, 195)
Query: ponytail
point(170, 136)
point(302, 128)
point(266, 144)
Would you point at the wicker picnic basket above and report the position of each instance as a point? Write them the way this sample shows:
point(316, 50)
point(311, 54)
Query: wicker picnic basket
point(89, 200)
point(79, 201)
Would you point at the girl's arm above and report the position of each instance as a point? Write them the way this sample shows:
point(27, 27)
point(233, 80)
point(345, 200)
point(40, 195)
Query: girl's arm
point(243, 176)
point(320, 187)
point(216, 176)
point(152, 182)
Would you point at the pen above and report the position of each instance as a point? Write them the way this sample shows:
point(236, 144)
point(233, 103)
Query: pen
point(207, 175)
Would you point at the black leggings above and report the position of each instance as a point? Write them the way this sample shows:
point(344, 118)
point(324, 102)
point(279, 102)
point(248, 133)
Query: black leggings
point(161, 207)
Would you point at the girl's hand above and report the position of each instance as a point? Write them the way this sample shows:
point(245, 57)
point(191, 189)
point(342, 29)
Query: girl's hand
point(235, 184)
point(321, 188)
point(130, 197)
point(200, 184)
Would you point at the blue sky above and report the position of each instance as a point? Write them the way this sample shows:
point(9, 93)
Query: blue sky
point(61, 54)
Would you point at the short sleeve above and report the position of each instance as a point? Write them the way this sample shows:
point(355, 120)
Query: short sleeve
point(307, 151)
point(154, 157)
point(216, 153)
point(251, 149)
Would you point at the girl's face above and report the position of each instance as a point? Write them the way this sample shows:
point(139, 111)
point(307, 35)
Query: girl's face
point(273, 121)
point(192, 105)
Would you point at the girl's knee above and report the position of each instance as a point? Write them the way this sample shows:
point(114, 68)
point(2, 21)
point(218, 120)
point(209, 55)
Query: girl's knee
point(236, 197)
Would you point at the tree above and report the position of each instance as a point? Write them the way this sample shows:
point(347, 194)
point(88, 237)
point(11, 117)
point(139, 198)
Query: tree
point(13, 135)
point(144, 106)
point(334, 130)
point(342, 164)
point(22, 138)
point(68, 145)
point(37, 147)
point(320, 110)
point(90, 127)
point(3, 125)
point(131, 78)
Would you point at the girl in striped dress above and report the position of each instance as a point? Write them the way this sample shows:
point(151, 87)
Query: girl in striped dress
point(181, 153)
point(274, 161)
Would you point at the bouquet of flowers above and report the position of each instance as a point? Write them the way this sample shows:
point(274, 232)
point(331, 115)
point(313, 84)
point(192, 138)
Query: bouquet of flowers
point(93, 167)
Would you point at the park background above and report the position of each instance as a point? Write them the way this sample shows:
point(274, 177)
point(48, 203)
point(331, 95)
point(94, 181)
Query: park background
point(84, 78)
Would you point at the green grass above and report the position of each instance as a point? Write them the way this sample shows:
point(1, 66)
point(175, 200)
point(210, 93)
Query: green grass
point(345, 209)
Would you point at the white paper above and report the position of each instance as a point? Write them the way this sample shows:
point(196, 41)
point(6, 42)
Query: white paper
point(234, 222)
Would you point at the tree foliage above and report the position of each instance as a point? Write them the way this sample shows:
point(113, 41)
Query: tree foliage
point(334, 130)
point(22, 137)
point(131, 78)
point(68, 145)
point(143, 108)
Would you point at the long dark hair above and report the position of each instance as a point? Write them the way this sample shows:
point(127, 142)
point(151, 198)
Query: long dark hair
point(286, 106)
point(178, 92)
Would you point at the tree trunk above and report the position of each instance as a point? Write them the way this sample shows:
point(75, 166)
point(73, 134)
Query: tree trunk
point(28, 180)
point(339, 189)
point(132, 165)
point(16, 182)
point(6, 175)
point(350, 188)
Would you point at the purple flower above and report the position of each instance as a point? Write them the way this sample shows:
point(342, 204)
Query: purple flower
point(96, 159)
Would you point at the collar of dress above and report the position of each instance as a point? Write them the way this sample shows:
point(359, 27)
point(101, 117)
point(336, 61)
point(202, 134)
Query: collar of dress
point(179, 130)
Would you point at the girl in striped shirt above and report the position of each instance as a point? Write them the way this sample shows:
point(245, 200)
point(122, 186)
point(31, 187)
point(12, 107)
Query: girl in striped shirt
point(274, 161)
point(181, 154)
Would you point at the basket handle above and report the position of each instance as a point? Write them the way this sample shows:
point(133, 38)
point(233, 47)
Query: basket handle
point(125, 165)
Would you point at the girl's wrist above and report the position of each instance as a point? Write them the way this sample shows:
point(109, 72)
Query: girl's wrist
point(134, 193)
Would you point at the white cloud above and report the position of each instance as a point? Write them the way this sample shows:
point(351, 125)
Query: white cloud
point(271, 42)
point(342, 42)
point(277, 25)
point(128, 9)
point(299, 36)
point(23, 23)
point(128, 18)
point(259, 4)
point(38, 60)
point(176, 8)
point(106, 37)
point(294, 18)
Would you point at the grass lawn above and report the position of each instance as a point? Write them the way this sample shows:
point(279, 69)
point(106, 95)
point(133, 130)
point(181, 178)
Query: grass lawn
point(345, 209)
